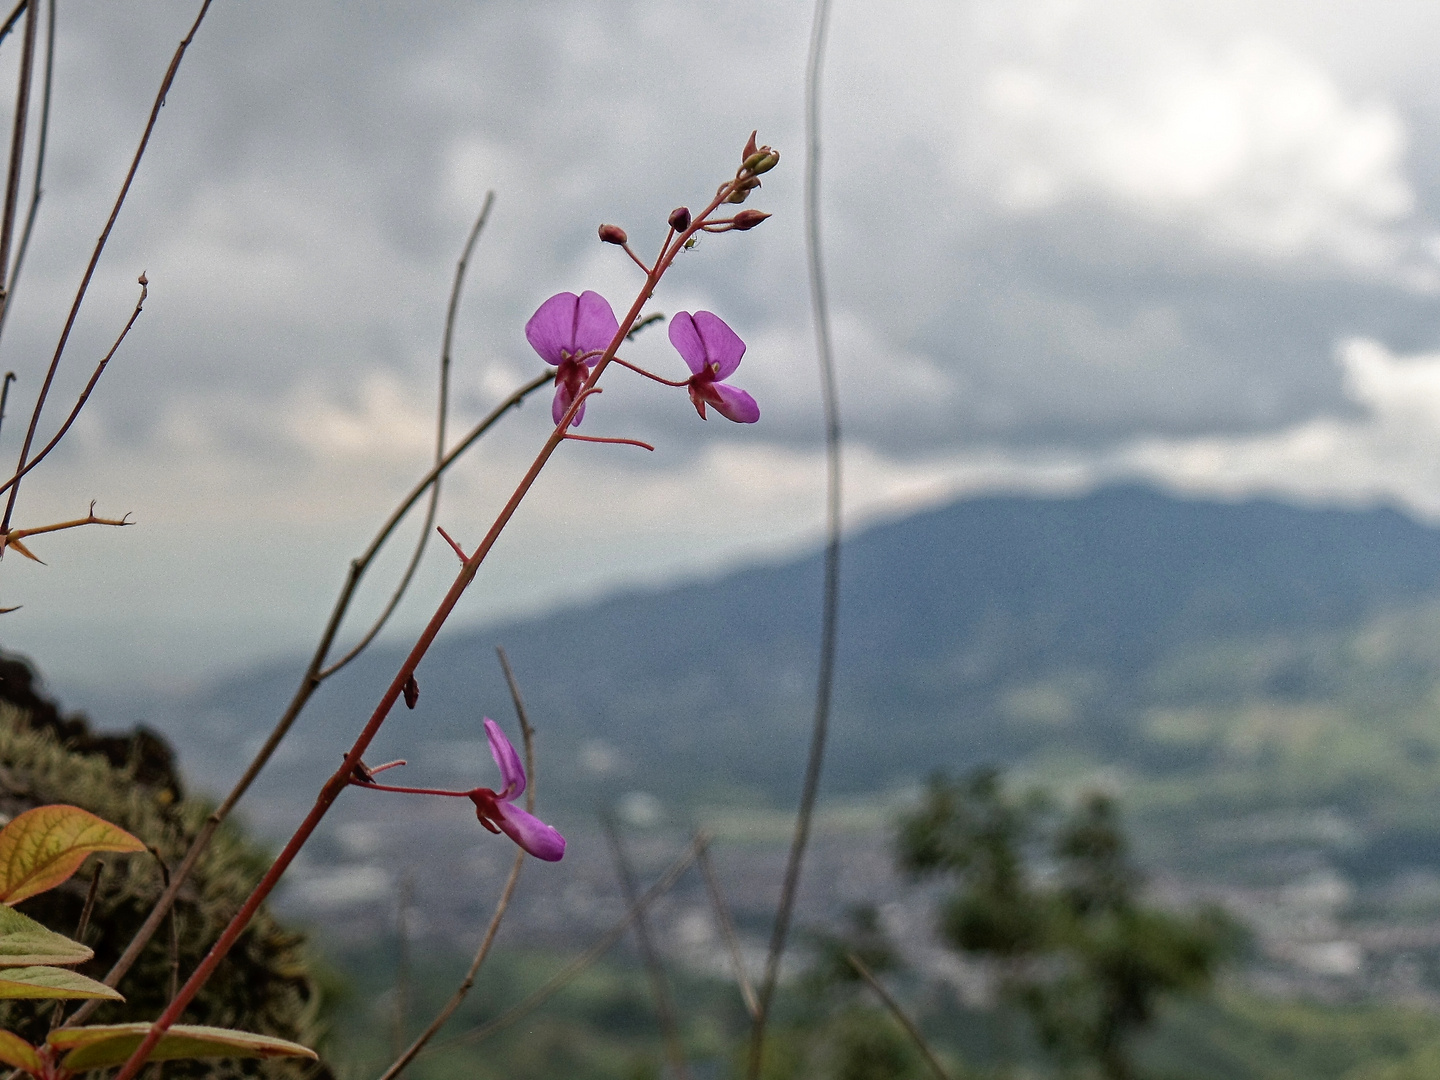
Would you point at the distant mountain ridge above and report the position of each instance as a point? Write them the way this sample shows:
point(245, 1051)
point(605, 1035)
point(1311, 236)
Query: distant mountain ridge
point(990, 629)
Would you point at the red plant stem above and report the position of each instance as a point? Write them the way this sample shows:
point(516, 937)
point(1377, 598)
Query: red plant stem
point(649, 374)
point(342, 777)
point(618, 442)
point(412, 790)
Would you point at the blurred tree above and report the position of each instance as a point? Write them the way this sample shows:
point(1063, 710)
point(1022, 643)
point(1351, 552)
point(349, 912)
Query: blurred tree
point(1053, 902)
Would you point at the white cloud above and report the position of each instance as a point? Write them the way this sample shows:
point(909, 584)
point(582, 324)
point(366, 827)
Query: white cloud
point(1390, 453)
point(1251, 145)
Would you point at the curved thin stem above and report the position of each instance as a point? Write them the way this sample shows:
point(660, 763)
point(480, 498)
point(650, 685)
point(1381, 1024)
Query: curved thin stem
point(36, 191)
point(461, 991)
point(442, 413)
point(94, 378)
point(830, 607)
point(899, 1014)
point(17, 147)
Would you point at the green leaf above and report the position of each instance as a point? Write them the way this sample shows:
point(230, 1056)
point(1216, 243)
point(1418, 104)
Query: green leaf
point(105, 1045)
point(24, 942)
point(44, 846)
point(18, 1053)
point(51, 982)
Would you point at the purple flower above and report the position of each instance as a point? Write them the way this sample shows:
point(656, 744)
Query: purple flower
point(497, 811)
point(563, 330)
point(713, 352)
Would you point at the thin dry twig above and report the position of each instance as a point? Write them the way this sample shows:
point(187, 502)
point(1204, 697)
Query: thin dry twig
point(461, 991)
point(81, 926)
point(727, 930)
point(14, 482)
point(12, 19)
point(17, 148)
point(89, 388)
point(572, 970)
point(830, 609)
point(659, 989)
point(890, 1003)
point(442, 416)
point(13, 538)
point(36, 190)
point(315, 674)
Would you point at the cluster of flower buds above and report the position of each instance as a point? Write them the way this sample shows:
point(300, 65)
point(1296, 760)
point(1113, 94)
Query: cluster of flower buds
point(753, 161)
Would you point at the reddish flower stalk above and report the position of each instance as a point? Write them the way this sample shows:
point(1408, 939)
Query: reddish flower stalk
point(733, 190)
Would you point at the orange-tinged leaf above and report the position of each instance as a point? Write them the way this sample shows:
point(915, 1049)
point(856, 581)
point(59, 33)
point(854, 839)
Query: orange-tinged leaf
point(18, 1053)
point(51, 983)
point(105, 1045)
point(24, 942)
point(44, 846)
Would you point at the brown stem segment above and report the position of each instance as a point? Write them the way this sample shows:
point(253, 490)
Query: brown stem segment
point(17, 148)
point(727, 930)
point(342, 776)
point(904, 1021)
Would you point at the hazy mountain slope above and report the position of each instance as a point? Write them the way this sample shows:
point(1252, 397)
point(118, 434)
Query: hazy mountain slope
point(996, 627)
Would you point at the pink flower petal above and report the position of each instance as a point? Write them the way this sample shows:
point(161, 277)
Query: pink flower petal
point(551, 330)
point(532, 834)
point(511, 771)
point(722, 345)
point(686, 340)
point(735, 404)
point(595, 325)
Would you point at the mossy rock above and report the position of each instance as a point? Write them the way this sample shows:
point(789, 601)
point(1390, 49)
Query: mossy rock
point(264, 985)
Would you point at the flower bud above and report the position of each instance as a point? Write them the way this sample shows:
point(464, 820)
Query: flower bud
point(748, 219)
point(680, 218)
point(749, 147)
point(739, 195)
point(613, 234)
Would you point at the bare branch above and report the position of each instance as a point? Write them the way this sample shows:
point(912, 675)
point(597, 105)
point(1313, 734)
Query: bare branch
point(165, 85)
point(36, 191)
point(17, 147)
point(12, 19)
point(899, 1014)
point(84, 394)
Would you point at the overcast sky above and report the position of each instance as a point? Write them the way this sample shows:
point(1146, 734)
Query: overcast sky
point(1068, 240)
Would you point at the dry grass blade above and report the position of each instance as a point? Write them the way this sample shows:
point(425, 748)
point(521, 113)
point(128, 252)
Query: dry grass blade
point(466, 984)
point(441, 419)
point(17, 148)
point(572, 970)
point(910, 1029)
point(727, 930)
point(831, 602)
